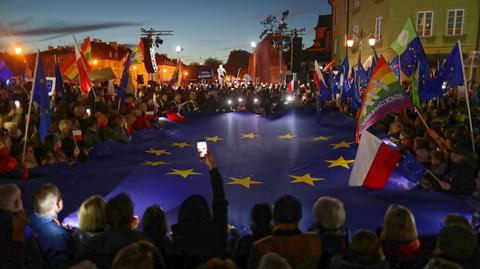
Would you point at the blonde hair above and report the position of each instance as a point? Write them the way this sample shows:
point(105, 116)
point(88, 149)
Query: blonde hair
point(399, 225)
point(329, 212)
point(45, 197)
point(91, 216)
point(137, 255)
point(9, 193)
point(64, 125)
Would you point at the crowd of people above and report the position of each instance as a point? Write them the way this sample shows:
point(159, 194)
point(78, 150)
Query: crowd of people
point(111, 236)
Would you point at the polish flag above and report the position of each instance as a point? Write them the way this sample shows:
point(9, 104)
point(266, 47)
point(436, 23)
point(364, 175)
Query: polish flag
point(318, 76)
point(149, 114)
point(77, 135)
point(291, 86)
point(374, 162)
point(85, 83)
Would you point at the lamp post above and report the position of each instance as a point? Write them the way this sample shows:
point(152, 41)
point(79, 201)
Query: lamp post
point(254, 45)
point(178, 49)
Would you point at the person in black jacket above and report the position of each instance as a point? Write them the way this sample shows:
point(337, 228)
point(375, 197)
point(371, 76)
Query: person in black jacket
point(365, 252)
point(462, 175)
point(200, 235)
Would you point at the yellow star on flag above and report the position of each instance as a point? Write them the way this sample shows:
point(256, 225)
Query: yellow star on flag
point(394, 140)
point(343, 144)
point(158, 152)
point(214, 138)
point(339, 162)
point(321, 138)
point(307, 178)
point(181, 145)
point(154, 163)
point(286, 136)
point(245, 182)
point(249, 136)
point(183, 173)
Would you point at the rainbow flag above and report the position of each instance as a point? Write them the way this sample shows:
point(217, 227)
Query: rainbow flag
point(69, 68)
point(384, 95)
point(138, 50)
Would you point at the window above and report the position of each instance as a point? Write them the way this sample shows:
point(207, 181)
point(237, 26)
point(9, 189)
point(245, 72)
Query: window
point(356, 4)
point(378, 28)
point(424, 23)
point(455, 21)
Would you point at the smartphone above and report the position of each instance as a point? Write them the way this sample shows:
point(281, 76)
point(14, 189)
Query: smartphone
point(17, 104)
point(89, 113)
point(202, 148)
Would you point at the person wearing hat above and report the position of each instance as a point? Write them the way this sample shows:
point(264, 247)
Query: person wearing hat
point(462, 175)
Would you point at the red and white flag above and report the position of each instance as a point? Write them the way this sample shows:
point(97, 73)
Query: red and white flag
point(291, 86)
point(77, 135)
point(374, 162)
point(149, 114)
point(318, 76)
point(85, 83)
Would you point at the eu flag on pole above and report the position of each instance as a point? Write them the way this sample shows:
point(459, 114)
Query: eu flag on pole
point(450, 73)
point(410, 57)
point(411, 169)
point(356, 99)
point(40, 95)
point(362, 74)
point(334, 81)
point(424, 80)
point(121, 92)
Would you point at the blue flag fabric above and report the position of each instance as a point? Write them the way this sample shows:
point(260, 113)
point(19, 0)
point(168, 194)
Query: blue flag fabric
point(258, 162)
point(362, 74)
point(40, 95)
point(59, 88)
point(121, 92)
point(345, 84)
point(5, 73)
point(334, 83)
point(394, 65)
point(410, 57)
point(411, 169)
point(424, 80)
point(450, 74)
point(356, 98)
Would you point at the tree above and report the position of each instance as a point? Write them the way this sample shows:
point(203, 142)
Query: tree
point(270, 24)
point(212, 63)
point(238, 59)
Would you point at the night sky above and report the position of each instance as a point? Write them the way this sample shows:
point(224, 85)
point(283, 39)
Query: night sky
point(204, 28)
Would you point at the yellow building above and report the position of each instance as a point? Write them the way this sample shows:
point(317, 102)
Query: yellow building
point(439, 23)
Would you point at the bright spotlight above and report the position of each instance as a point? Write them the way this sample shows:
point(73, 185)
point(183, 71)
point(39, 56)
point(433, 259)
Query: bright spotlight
point(229, 101)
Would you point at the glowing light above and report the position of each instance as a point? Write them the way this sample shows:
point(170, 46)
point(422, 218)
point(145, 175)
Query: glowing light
point(253, 44)
point(289, 98)
point(178, 49)
point(164, 70)
point(371, 41)
point(255, 100)
point(350, 43)
point(95, 62)
point(135, 67)
point(240, 99)
point(185, 73)
point(229, 101)
point(18, 50)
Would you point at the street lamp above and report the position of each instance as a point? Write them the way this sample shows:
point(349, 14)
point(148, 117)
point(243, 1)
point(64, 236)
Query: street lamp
point(18, 50)
point(254, 45)
point(371, 41)
point(178, 49)
point(350, 43)
point(95, 62)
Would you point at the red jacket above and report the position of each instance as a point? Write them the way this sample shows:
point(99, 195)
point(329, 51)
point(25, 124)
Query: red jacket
point(11, 168)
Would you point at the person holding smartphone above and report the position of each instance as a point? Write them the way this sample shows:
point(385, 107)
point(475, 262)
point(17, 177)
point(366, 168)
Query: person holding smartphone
point(199, 234)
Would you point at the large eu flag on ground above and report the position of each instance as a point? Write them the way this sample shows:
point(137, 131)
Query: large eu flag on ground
point(260, 159)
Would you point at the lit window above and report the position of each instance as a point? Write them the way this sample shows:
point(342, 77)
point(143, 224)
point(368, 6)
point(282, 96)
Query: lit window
point(455, 21)
point(378, 28)
point(424, 23)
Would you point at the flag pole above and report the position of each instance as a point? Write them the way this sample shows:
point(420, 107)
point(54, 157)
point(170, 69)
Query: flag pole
point(466, 95)
point(27, 122)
